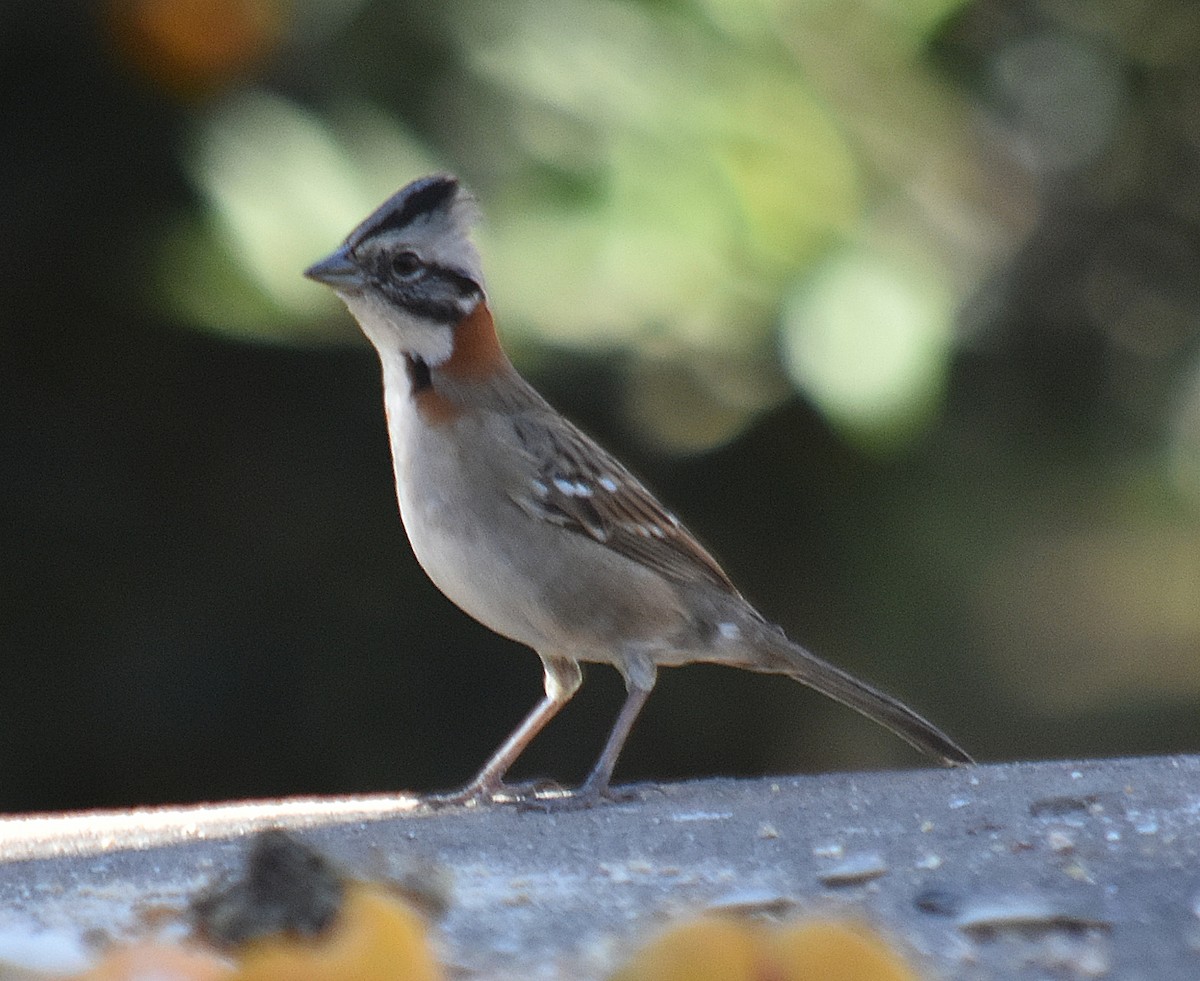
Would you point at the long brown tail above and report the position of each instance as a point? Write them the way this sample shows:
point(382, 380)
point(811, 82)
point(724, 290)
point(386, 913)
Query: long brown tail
point(793, 660)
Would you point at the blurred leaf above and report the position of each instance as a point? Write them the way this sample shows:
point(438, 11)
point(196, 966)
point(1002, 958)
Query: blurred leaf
point(667, 175)
point(1183, 447)
point(204, 285)
point(716, 174)
point(281, 190)
point(697, 401)
point(868, 338)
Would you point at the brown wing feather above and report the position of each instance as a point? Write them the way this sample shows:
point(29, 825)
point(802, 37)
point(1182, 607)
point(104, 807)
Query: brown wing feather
point(583, 488)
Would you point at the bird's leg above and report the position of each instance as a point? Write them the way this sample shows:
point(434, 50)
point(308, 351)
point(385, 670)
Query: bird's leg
point(597, 783)
point(563, 678)
point(596, 787)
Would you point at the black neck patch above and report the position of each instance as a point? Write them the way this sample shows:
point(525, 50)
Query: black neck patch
point(418, 373)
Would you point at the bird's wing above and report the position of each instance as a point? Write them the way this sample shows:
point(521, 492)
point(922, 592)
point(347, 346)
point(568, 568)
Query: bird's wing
point(583, 488)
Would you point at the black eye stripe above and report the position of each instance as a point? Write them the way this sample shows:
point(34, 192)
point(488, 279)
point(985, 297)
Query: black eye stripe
point(436, 293)
point(466, 285)
point(440, 311)
point(429, 271)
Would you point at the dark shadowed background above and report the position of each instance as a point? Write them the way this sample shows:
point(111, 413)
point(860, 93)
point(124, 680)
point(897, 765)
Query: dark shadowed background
point(897, 304)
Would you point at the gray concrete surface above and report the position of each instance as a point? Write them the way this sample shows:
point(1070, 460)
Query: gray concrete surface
point(1017, 871)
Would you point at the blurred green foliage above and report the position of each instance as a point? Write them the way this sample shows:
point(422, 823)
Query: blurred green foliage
point(658, 179)
point(747, 199)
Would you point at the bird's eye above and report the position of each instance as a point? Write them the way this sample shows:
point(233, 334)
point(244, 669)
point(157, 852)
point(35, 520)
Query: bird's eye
point(406, 263)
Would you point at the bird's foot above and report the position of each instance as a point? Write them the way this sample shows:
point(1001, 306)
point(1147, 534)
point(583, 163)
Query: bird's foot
point(583, 798)
point(544, 796)
point(478, 793)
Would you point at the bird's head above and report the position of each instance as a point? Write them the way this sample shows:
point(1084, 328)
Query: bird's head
point(410, 273)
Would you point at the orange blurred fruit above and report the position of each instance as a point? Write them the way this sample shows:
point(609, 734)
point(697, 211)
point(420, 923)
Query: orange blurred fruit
point(194, 47)
point(374, 937)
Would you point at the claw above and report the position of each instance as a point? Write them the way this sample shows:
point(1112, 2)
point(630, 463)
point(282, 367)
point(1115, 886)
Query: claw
point(476, 794)
point(585, 798)
point(543, 796)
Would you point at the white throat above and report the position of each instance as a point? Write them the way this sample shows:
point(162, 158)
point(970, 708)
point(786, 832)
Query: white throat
point(395, 333)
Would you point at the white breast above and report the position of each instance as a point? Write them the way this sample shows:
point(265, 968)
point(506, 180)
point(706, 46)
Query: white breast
point(456, 532)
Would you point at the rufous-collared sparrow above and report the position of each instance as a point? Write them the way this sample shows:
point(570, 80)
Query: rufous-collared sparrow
point(526, 523)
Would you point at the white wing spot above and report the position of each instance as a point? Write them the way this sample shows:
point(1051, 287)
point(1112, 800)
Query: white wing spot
point(572, 488)
point(608, 483)
point(729, 631)
point(540, 489)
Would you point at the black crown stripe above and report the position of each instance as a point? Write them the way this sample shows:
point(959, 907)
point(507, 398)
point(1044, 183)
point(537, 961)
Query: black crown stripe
point(412, 201)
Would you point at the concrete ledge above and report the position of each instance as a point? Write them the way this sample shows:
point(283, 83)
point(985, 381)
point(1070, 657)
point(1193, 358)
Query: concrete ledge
point(1013, 871)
